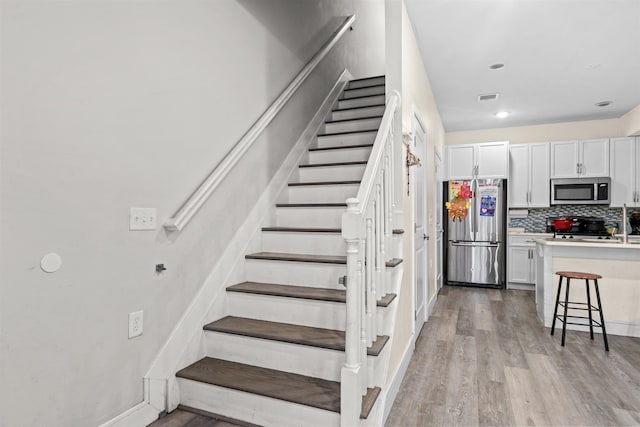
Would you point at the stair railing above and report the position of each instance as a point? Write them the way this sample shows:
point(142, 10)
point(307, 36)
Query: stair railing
point(193, 204)
point(367, 226)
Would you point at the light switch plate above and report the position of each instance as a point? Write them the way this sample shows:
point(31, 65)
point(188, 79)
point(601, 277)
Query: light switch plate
point(142, 218)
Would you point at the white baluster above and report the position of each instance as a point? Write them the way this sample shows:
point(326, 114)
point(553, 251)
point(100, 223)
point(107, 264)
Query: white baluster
point(363, 316)
point(371, 285)
point(380, 261)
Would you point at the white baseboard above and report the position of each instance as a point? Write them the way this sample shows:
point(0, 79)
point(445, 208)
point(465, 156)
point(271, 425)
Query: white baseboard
point(625, 329)
point(184, 345)
point(432, 305)
point(521, 287)
point(398, 376)
point(142, 414)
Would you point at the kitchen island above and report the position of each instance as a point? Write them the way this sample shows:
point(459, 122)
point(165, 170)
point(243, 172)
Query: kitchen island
point(617, 263)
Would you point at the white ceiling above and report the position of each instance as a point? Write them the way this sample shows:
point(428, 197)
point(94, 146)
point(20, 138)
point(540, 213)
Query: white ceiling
point(561, 57)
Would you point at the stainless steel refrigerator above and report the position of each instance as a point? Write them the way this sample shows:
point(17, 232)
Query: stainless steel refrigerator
point(476, 243)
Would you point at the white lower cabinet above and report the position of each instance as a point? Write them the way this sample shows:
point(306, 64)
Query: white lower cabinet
point(521, 263)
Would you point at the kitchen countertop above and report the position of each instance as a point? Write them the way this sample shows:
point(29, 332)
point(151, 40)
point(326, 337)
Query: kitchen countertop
point(633, 244)
point(528, 233)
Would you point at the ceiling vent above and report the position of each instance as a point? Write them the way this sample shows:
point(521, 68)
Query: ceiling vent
point(488, 97)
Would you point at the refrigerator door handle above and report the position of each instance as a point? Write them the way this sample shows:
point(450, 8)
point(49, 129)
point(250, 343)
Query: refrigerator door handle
point(476, 244)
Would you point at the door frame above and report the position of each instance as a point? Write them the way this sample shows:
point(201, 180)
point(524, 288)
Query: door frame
point(438, 203)
point(422, 315)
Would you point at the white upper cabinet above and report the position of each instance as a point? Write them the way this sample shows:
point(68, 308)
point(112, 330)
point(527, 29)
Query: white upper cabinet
point(625, 171)
point(461, 161)
point(577, 159)
point(529, 175)
point(486, 160)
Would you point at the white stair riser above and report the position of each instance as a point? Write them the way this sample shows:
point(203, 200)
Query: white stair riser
point(252, 408)
point(295, 273)
point(298, 359)
point(331, 173)
point(363, 91)
point(341, 155)
point(345, 139)
point(322, 193)
point(309, 217)
point(299, 242)
point(361, 102)
point(352, 125)
point(357, 113)
point(366, 82)
point(316, 314)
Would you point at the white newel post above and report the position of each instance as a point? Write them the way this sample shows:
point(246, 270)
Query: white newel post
point(351, 395)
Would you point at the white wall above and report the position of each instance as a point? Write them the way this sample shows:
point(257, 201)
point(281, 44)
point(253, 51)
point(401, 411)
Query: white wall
point(588, 129)
point(107, 105)
point(416, 94)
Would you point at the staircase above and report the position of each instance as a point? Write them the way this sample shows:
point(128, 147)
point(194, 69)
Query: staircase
point(276, 358)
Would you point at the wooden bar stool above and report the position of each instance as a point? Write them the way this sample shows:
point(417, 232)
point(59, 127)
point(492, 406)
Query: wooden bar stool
point(579, 305)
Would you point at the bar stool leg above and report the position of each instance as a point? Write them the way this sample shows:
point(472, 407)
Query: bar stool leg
point(589, 308)
point(555, 310)
point(604, 331)
point(566, 308)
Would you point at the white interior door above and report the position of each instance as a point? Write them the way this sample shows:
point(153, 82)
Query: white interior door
point(420, 224)
point(438, 207)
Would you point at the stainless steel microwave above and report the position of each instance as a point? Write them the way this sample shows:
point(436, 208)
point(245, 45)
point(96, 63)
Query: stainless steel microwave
point(581, 191)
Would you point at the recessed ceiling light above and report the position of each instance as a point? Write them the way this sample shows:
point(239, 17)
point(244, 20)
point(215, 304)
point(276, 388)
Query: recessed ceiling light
point(603, 103)
point(496, 66)
point(502, 114)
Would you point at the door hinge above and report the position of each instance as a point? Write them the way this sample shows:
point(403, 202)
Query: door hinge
point(343, 281)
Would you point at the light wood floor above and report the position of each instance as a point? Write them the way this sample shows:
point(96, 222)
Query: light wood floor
point(484, 359)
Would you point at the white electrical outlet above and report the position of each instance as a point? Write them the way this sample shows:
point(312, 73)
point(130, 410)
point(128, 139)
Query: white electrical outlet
point(136, 324)
point(142, 218)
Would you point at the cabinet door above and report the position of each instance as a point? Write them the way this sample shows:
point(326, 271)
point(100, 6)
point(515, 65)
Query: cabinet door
point(460, 161)
point(492, 159)
point(520, 264)
point(623, 165)
point(519, 176)
point(594, 158)
point(539, 187)
point(564, 159)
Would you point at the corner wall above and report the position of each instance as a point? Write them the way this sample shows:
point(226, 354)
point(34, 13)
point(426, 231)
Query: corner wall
point(108, 105)
point(416, 93)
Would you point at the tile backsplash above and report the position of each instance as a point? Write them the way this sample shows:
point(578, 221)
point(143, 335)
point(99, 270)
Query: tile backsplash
point(536, 221)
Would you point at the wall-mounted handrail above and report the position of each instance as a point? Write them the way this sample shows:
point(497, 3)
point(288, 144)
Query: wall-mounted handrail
point(186, 212)
point(367, 227)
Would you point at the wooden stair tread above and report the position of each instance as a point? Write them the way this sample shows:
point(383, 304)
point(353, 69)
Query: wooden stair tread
point(290, 333)
point(301, 184)
point(302, 292)
point(280, 256)
point(348, 132)
point(318, 165)
point(311, 205)
point(301, 389)
point(303, 229)
point(360, 97)
point(353, 120)
point(358, 108)
point(340, 147)
point(322, 259)
point(394, 262)
point(225, 421)
point(364, 87)
point(367, 78)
